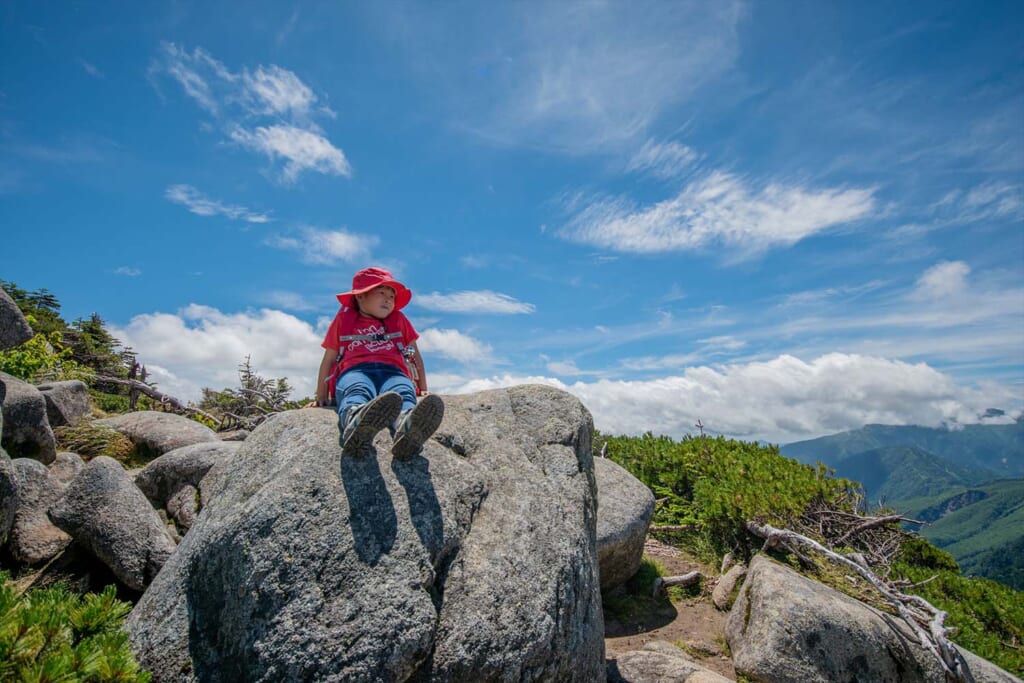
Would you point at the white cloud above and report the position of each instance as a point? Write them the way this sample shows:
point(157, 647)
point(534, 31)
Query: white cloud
point(719, 209)
point(780, 400)
point(662, 160)
point(126, 270)
point(268, 91)
point(91, 69)
point(941, 281)
point(201, 346)
point(454, 345)
point(483, 301)
point(198, 203)
point(291, 301)
point(324, 247)
point(304, 150)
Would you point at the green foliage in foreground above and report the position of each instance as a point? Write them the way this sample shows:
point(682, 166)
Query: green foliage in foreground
point(43, 357)
point(717, 484)
point(54, 635)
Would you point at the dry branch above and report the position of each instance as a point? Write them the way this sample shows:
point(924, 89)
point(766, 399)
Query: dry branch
point(663, 582)
point(672, 527)
point(915, 610)
point(164, 399)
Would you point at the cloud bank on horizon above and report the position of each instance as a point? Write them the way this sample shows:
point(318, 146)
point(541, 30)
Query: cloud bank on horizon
point(781, 223)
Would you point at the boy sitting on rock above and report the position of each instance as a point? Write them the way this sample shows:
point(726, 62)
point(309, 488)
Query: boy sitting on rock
point(372, 365)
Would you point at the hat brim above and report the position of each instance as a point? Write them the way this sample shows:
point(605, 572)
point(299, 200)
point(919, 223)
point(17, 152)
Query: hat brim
point(402, 294)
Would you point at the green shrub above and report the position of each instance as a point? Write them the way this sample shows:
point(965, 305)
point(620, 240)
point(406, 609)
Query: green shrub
point(53, 635)
point(42, 358)
point(89, 440)
point(109, 403)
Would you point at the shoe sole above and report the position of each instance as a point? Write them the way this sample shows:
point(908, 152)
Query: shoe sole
point(378, 414)
point(423, 422)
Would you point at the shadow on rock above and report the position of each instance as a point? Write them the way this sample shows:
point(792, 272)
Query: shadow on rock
point(424, 509)
point(371, 510)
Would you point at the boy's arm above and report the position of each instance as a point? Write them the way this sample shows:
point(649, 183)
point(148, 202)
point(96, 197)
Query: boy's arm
point(417, 360)
point(321, 375)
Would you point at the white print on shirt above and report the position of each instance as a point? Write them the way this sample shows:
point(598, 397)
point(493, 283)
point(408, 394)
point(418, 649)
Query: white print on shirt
point(372, 346)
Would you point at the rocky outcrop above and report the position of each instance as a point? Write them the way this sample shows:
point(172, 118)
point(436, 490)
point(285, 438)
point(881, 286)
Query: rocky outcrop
point(660, 662)
point(26, 429)
point(473, 561)
point(624, 511)
point(173, 480)
point(155, 434)
point(66, 402)
point(14, 329)
point(8, 495)
point(33, 538)
point(104, 511)
point(66, 467)
point(785, 627)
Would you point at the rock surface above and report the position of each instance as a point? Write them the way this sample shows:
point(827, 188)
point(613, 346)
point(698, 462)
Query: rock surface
point(725, 590)
point(473, 561)
point(34, 538)
point(66, 467)
point(104, 511)
point(161, 479)
point(8, 495)
point(14, 329)
point(26, 429)
point(66, 402)
point(625, 507)
point(660, 662)
point(155, 433)
point(785, 627)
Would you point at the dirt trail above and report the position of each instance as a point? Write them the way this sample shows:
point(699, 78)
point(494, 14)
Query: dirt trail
point(693, 623)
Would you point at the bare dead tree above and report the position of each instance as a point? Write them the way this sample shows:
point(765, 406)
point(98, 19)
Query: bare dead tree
point(165, 399)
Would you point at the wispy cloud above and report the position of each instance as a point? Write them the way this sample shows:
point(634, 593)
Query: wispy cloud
point(236, 98)
point(289, 301)
point(198, 203)
point(483, 301)
point(302, 149)
point(663, 160)
point(91, 69)
point(454, 345)
point(719, 209)
point(323, 247)
point(126, 270)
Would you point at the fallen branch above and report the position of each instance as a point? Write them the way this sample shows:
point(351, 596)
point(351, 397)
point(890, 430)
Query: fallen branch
point(165, 399)
point(663, 582)
point(672, 527)
point(915, 611)
point(872, 523)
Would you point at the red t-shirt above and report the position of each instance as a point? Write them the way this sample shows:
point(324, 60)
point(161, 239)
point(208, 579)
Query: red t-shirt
point(358, 352)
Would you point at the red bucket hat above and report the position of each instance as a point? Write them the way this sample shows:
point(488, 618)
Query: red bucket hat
point(368, 278)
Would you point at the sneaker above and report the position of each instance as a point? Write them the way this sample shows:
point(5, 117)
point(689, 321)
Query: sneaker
point(415, 426)
point(366, 420)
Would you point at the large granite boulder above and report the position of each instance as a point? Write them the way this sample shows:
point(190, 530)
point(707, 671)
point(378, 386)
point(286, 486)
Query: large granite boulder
point(26, 429)
point(625, 507)
point(660, 662)
point(104, 511)
point(473, 561)
point(173, 480)
point(8, 495)
point(155, 433)
point(34, 538)
point(66, 467)
point(785, 627)
point(66, 402)
point(14, 329)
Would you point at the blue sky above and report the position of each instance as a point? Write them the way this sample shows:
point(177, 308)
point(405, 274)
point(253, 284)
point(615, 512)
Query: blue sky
point(781, 218)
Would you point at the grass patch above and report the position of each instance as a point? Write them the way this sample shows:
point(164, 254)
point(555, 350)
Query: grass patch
point(634, 600)
point(89, 440)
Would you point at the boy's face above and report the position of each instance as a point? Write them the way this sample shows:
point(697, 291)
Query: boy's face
point(378, 302)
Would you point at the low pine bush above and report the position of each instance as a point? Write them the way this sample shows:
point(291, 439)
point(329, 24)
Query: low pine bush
point(52, 634)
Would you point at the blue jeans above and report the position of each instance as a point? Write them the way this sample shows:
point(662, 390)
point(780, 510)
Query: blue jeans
point(366, 381)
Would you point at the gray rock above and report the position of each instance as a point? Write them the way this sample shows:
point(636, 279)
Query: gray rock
point(725, 590)
point(104, 511)
point(26, 429)
point(14, 329)
point(661, 662)
point(66, 467)
point(66, 402)
point(162, 478)
point(234, 435)
point(33, 538)
point(8, 495)
point(155, 433)
point(624, 510)
point(473, 561)
point(786, 627)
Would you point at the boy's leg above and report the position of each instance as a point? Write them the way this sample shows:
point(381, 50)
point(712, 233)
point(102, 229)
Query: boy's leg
point(363, 412)
point(417, 422)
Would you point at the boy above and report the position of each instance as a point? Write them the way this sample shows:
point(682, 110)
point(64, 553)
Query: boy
point(379, 362)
